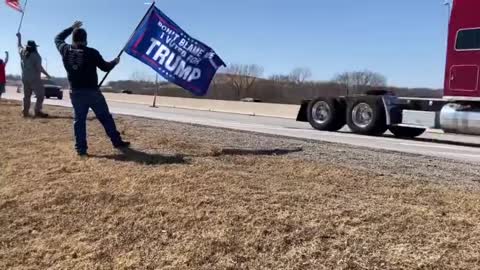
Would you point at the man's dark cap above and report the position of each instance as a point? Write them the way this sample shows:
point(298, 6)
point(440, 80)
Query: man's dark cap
point(79, 35)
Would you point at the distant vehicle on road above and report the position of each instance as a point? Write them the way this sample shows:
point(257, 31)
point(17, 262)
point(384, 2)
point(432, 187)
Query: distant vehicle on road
point(52, 89)
point(106, 89)
point(250, 100)
point(127, 92)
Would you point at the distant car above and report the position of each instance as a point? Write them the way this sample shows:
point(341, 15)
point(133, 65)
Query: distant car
point(52, 89)
point(250, 100)
point(127, 92)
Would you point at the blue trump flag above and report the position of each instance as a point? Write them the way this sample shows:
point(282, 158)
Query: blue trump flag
point(175, 55)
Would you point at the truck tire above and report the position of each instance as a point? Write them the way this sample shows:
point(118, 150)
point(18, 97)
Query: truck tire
point(326, 114)
point(60, 96)
point(366, 116)
point(407, 132)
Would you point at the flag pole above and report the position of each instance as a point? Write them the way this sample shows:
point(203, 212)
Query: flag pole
point(133, 33)
point(23, 14)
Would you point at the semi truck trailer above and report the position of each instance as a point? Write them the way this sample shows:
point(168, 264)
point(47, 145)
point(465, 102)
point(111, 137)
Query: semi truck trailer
point(376, 111)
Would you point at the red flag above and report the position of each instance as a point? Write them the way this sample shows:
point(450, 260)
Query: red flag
point(15, 4)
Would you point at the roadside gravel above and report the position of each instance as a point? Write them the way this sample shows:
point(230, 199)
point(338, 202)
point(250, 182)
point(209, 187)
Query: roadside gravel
point(379, 162)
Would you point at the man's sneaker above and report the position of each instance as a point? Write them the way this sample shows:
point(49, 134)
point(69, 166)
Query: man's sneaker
point(121, 144)
point(25, 114)
point(41, 115)
point(82, 154)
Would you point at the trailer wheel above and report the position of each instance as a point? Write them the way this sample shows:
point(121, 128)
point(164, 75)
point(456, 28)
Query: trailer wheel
point(367, 116)
point(327, 114)
point(407, 132)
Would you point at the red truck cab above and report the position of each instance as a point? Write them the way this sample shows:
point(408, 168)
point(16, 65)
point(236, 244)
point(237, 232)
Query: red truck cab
point(462, 70)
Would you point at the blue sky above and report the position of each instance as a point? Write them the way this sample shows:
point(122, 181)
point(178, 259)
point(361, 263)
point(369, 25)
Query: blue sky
point(404, 40)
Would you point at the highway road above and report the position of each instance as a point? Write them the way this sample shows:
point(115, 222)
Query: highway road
point(448, 146)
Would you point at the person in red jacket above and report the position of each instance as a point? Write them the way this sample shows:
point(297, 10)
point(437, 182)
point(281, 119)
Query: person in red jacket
point(3, 77)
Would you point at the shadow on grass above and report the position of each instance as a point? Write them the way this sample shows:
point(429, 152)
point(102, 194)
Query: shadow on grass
point(69, 117)
point(132, 155)
point(256, 152)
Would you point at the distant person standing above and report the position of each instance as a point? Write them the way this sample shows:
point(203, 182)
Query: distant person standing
point(31, 76)
point(81, 63)
point(3, 75)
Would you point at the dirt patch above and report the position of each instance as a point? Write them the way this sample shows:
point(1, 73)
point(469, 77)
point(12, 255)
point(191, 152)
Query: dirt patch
point(183, 200)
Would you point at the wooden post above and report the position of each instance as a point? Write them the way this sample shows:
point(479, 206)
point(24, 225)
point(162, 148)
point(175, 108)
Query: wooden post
point(156, 91)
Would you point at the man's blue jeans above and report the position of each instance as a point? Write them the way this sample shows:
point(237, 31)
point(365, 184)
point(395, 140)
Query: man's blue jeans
point(82, 101)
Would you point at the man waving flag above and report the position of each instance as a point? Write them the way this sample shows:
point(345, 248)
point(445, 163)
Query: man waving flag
point(15, 4)
point(161, 44)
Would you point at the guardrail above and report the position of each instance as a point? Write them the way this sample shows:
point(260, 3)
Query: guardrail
point(247, 108)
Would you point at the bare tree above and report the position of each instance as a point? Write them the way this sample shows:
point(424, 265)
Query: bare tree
point(297, 76)
point(279, 78)
point(300, 75)
point(243, 77)
point(360, 80)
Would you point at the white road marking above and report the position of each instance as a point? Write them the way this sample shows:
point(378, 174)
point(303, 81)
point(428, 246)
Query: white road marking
point(432, 146)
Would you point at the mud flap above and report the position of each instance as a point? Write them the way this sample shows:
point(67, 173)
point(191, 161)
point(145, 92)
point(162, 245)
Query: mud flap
point(302, 113)
point(393, 111)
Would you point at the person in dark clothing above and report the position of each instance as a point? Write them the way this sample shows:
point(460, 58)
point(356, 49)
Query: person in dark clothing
point(81, 63)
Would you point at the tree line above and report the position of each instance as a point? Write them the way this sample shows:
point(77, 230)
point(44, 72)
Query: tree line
point(241, 82)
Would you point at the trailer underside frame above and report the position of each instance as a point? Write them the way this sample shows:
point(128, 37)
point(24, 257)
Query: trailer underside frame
point(373, 114)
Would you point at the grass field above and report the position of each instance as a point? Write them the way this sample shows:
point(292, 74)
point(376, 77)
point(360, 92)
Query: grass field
point(177, 201)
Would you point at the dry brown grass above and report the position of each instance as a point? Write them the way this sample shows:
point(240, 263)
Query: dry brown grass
point(175, 203)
